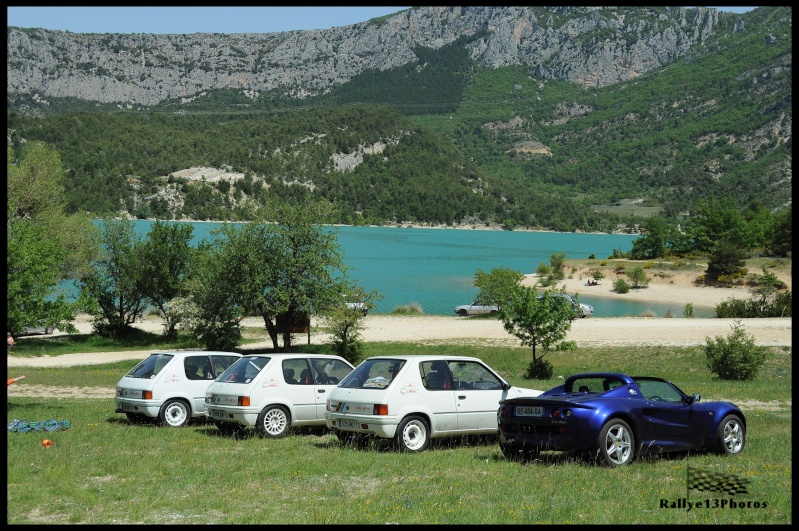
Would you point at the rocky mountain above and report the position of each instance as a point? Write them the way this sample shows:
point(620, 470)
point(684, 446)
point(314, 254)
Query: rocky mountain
point(591, 46)
point(560, 118)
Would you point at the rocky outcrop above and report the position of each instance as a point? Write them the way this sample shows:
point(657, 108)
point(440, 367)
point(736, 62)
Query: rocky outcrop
point(593, 46)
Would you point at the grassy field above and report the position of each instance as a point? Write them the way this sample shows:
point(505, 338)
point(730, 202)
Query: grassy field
point(103, 470)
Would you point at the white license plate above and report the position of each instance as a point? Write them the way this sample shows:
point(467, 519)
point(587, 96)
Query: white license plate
point(349, 424)
point(127, 407)
point(217, 413)
point(529, 411)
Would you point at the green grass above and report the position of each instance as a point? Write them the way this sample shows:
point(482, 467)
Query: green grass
point(104, 470)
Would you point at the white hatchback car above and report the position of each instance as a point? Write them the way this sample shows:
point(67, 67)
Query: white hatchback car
point(414, 398)
point(274, 392)
point(476, 308)
point(170, 386)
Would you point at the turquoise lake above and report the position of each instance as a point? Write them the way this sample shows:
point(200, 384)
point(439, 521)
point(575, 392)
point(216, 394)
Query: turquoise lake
point(435, 268)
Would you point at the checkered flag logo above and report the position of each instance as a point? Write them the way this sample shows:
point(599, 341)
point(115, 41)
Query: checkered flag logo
point(699, 479)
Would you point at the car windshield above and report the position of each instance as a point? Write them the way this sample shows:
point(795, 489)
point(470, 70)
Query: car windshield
point(150, 367)
point(244, 370)
point(373, 374)
point(592, 384)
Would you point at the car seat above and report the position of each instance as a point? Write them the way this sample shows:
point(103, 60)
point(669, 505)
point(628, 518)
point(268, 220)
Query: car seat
point(288, 375)
point(191, 372)
point(305, 377)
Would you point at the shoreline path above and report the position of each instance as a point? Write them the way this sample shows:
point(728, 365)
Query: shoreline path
point(431, 330)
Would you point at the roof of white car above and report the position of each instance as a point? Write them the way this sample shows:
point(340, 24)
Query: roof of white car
point(423, 357)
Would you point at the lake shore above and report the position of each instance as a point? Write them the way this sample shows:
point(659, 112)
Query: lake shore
point(678, 287)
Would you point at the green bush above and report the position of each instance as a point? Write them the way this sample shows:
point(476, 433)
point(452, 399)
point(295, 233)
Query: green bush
point(735, 357)
point(539, 369)
point(620, 286)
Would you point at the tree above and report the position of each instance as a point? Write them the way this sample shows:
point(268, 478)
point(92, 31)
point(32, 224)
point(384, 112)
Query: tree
point(166, 255)
point(115, 282)
point(637, 276)
point(716, 220)
point(727, 259)
point(210, 310)
point(345, 324)
point(497, 286)
point(282, 267)
point(536, 323)
point(652, 244)
point(45, 245)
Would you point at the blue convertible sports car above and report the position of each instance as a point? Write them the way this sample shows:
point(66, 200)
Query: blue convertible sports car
point(614, 417)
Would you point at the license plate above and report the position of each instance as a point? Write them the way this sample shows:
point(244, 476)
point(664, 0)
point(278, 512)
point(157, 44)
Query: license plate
point(529, 411)
point(127, 407)
point(217, 413)
point(349, 424)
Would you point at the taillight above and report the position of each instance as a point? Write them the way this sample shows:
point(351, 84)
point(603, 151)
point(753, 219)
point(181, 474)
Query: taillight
point(244, 400)
point(147, 395)
point(380, 409)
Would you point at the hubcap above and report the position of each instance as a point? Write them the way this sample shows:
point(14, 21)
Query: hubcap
point(733, 439)
point(618, 445)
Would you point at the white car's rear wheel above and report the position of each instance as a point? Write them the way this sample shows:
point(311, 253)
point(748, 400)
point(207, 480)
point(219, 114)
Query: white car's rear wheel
point(175, 413)
point(273, 422)
point(413, 434)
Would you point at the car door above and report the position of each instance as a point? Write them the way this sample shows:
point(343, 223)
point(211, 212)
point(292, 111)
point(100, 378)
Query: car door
point(327, 373)
point(196, 382)
point(301, 389)
point(477, 394)
point(670, 415)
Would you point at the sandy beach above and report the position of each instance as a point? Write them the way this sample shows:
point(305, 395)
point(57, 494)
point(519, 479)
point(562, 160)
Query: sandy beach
point(424, 330)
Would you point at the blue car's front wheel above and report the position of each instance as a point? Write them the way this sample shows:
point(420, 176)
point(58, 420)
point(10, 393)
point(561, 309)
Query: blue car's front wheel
point(731, 436)
point(616, 443)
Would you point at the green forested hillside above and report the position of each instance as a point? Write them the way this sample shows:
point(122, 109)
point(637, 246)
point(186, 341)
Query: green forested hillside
point(443, 141)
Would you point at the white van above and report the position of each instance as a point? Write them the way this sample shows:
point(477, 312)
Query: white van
point(170, 386)
point(413, 398)
point(274, 392)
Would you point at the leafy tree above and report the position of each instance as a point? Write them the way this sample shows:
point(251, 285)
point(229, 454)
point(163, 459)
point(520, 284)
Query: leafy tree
point(718, 220)
point(345, 324)
point(165, 256)
point(637, 276)
point(653, 243)
point(557, 261)
point(497, 286)
point(282, 267)
point(115, 282)
point(781, 242)
point(537, 323)
point(45, 245)
point(210, 310)
point(726, 259)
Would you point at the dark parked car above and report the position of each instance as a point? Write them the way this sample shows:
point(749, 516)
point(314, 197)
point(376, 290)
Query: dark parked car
point(615, 417)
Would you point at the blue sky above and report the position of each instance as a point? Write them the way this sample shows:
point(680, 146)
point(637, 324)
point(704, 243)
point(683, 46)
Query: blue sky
point(235, 19)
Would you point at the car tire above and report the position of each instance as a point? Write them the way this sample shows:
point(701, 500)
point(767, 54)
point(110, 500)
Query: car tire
point(731, 436)
point(463, 313)
point(515, 452)
point(175, 413)
point(413, 434)
point(616, 443)
point(273, 421)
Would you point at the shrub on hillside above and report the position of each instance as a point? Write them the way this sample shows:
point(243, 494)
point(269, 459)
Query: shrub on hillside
point(735, 357)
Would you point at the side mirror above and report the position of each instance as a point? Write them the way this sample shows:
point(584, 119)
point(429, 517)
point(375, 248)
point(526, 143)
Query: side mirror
point(696, 397)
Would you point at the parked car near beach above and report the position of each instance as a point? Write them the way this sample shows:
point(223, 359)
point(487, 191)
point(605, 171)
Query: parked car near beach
point(411, 399)
point(578, 308)
point(613, 417)
point(170, 386)
point(477, 307)
point(274, 392)
point(40, 328)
